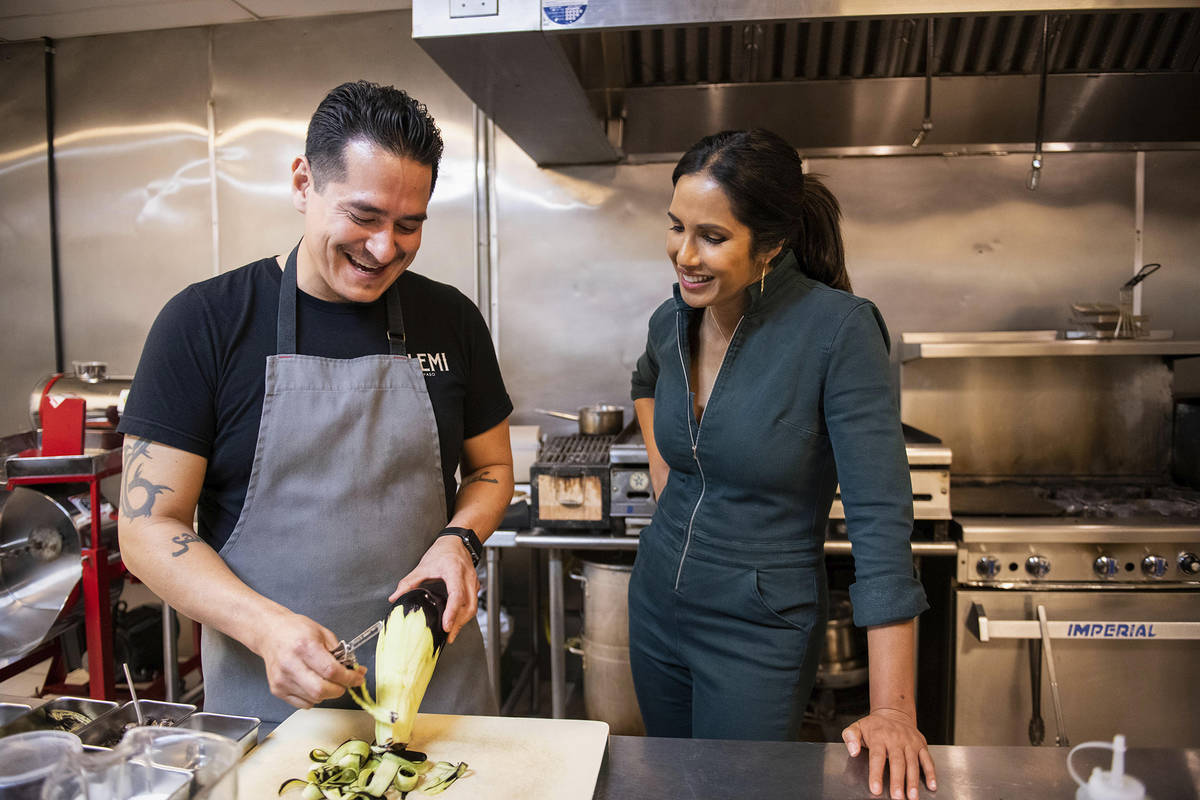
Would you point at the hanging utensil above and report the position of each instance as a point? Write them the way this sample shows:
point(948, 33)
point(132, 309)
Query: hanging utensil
point(1035, 169)
point(927, 122)
point(1060, 735)
point(1128, 324)
point(1049, 37)
point(1037, 726)
point(1145, 272)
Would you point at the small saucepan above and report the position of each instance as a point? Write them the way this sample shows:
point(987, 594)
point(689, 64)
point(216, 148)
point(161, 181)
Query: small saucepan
point(601, 418)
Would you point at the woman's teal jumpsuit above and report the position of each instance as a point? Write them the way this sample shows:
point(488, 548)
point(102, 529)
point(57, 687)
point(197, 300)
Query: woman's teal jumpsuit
point(727, 602)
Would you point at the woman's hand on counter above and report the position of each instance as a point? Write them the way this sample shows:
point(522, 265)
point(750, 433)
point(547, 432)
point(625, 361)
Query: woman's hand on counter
point(893, 740)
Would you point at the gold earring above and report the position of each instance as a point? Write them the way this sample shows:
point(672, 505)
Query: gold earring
point(762, 279)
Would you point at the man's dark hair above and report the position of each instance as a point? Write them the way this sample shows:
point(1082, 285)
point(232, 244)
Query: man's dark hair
point(382, 115)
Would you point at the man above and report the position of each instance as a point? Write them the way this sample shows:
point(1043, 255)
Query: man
point(317, 432)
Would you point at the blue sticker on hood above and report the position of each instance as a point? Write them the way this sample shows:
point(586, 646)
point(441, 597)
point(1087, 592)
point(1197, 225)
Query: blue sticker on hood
point(562, 13)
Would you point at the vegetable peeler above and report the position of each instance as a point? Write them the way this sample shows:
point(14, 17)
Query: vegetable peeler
point(344, 652)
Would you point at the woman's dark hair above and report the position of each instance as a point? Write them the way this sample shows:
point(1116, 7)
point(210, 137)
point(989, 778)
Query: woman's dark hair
point(382, 115)
point(764, 179)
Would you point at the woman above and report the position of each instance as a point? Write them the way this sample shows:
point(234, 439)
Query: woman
point(764, 384)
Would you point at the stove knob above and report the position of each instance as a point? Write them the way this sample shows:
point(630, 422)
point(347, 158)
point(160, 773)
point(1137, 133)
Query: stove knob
point(988, 567)
point(1037, 566)
point(1154, 566)
point(1189, 564)
point(1105, 566)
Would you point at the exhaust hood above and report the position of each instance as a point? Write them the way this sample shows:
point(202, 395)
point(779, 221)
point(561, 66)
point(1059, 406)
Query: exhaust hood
point(601, 81)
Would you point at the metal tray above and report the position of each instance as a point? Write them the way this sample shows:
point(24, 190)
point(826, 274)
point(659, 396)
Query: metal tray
point(91, 462)
point(243, 730)
point(40, 718)
point(10, 711)
point(107, 730)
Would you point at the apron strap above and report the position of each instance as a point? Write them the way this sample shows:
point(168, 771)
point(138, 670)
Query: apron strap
point(285, 324)
point(397, 341)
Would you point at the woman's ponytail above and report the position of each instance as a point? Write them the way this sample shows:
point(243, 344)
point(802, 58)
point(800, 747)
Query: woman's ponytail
point(817, 242)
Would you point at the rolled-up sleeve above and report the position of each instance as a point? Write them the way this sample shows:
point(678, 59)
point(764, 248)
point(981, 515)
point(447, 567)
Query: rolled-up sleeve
point(645, 374)
point(868, 446)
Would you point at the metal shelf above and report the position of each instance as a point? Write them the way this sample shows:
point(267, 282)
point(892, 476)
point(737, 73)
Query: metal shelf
point(1018, 344)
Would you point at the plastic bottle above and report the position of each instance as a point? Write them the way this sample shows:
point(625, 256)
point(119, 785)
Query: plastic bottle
point(1110, 784)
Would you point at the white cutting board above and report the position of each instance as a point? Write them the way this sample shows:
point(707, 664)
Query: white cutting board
point(510, 758)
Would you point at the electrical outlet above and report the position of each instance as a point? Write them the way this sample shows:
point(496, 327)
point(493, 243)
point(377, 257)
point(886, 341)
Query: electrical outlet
point(474, 8)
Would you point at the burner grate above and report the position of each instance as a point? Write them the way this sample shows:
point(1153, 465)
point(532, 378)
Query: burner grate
point(1125, 500)
point(576, 450)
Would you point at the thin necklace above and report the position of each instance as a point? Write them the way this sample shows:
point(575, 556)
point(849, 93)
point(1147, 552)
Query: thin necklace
point(713, 316)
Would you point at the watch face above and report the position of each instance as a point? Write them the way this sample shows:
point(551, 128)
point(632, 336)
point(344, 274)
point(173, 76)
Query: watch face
point(639, 481)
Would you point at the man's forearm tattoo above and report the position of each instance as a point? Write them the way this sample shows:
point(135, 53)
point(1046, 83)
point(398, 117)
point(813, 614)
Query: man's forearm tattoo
point(184, 540)
point(482, 476)
point(135, 486)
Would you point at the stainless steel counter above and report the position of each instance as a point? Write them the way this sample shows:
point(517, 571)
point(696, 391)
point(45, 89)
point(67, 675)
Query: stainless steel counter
point(696, 769)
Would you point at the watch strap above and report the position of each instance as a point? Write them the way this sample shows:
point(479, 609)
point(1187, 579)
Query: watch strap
point(469, 539)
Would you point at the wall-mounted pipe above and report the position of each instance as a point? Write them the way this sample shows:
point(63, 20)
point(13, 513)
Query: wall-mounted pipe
point(52, 179)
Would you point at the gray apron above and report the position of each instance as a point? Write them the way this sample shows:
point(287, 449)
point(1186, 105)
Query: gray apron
point(345, 496)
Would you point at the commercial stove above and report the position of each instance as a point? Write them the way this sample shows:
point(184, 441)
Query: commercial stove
point(928, 461)
point(1086, 594)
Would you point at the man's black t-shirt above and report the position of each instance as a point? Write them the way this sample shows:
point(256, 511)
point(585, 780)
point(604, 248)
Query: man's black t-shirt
point(199, 385)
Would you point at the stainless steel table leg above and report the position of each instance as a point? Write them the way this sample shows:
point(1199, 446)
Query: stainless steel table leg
point(493, 618)
point(535, 622)
point(558, 661)
point(170, 656)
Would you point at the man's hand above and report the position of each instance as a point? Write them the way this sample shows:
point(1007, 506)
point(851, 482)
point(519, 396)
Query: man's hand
point(300, 668)
point(893, 739)
point(449, 560)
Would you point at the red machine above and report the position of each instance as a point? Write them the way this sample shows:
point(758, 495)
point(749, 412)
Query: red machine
point(58, 536)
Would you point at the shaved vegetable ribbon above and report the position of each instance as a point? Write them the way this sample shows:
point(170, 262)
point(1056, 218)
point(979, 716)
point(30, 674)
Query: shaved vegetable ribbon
point(357, 770)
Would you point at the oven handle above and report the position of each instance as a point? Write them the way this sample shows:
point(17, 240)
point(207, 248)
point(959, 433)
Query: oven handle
point(985, 629)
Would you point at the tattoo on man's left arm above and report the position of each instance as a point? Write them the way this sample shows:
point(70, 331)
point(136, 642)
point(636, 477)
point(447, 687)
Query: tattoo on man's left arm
point(482, 476)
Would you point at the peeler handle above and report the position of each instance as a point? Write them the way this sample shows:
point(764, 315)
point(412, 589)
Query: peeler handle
point(344, 651)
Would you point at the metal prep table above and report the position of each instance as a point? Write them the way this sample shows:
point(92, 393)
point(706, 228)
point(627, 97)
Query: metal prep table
point(637, 767)
point(555, 544)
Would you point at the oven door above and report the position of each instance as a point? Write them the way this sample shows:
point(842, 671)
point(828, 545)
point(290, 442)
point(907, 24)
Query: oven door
point(1139, 680)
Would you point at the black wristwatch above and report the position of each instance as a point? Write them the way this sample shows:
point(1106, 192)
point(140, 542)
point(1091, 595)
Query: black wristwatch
point(469, 540)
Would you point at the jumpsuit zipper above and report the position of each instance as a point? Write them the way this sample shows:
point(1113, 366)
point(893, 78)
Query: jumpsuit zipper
point(695, 438)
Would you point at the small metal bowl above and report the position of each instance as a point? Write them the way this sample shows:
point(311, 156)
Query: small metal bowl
point(108, 730)
point(243, 730)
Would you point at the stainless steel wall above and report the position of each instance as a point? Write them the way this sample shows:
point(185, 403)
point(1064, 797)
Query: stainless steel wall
point(582, 265)
point(137, 206)
point(1049, 416)
point(26, 304)
point(940, 243)
point(268, 78)
point(961, 244)
point(134, 211)
point(1172, 237)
